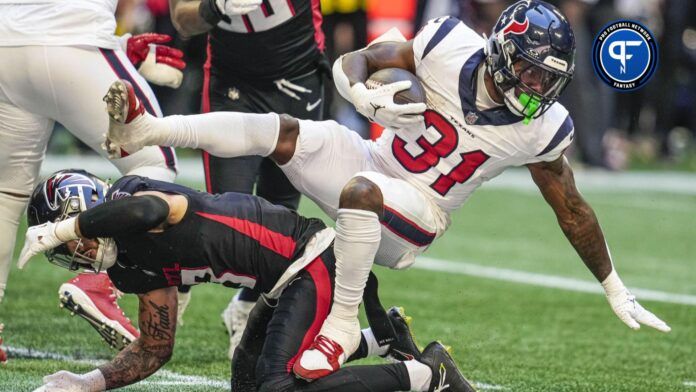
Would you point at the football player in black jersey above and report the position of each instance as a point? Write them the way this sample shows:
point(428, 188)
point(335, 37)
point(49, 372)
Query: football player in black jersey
point(263, 56)
point(151, 237)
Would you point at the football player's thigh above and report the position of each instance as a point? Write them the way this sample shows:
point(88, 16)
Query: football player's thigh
point(409, 223)
point(23, 139)
point(327, 155)
point(81, 77)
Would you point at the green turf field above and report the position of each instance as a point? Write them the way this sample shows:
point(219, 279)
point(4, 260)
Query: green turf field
point(505, 336)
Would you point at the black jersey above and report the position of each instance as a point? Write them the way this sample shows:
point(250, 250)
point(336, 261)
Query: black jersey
point(232, 239)
point(280, 39)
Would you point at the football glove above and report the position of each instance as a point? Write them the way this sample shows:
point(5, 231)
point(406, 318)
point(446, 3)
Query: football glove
point(44, 237)
point(64, 381)
point(625, 306)
point(378, 105)
point(159, 64)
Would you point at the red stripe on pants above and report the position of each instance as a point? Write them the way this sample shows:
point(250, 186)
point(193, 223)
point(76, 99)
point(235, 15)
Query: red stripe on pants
point(322, 281)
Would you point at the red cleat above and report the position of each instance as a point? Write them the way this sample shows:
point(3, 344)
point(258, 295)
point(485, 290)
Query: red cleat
point(322, 358)
point(93, 297)
point(3, 355)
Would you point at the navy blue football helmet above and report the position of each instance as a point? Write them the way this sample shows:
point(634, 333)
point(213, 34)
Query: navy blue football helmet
point(63, 194)
point(531, 56)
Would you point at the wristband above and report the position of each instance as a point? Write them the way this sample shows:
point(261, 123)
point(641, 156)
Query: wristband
point(613, 284)
point(210, 12)
point(95, 380)
point(65, 230)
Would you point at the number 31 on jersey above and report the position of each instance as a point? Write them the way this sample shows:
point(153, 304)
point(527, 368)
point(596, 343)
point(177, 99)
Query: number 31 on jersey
point(441, 149)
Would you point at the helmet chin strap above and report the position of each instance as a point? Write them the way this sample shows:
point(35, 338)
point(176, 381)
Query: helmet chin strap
point(526, 105)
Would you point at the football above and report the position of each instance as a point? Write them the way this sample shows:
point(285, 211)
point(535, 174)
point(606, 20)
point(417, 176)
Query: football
point(415, 94)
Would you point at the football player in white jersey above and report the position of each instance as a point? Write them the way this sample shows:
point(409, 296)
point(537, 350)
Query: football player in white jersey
point(491, 104)
point(56, 59)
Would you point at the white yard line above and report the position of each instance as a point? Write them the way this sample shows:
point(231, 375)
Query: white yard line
point(161, 378)
point(690, 383)
point(542, 280)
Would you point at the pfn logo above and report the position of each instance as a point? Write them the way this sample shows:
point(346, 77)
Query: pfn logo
point(621, 54)
point(624, 55)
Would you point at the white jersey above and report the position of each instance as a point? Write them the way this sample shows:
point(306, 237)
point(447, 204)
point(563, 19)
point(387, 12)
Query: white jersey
point(58, 23)
point(460, 147)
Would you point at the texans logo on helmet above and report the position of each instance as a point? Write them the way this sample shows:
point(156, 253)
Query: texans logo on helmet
point(516, 27)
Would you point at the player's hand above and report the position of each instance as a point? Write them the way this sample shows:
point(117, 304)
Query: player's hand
point(378, 105)
point(39, 239)
point(624, 304)
point(64, 381)
point(237, 7)
point(157, 63)
point(3, 355)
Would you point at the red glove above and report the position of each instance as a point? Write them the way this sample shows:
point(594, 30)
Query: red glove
point(138, 47)
point(157, 63)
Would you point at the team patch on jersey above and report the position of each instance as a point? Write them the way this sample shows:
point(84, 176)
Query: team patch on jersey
point(471, 118)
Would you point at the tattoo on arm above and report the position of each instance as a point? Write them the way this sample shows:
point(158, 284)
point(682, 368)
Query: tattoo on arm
point(153, 348)
point(575, 217)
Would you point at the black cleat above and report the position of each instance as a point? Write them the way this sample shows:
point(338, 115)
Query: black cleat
point(405, 347)
point(446, 375)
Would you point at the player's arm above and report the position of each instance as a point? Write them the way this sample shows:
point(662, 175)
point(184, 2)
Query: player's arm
point(187, 18)
point(580, 225)
point(154, 347)
point(352, 70)
point(139, 359)
point(142, 212)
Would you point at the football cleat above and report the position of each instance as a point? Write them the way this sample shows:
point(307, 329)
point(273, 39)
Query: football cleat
point(235, 317)
point(128, 127)
point(446, 376)
point(93, 297)
point(405, 347)
point(322, 358)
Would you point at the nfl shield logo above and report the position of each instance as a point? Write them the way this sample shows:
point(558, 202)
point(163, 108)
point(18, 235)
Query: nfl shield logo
point(471, 118)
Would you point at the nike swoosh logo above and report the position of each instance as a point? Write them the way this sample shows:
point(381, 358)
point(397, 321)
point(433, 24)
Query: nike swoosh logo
point(311, 106)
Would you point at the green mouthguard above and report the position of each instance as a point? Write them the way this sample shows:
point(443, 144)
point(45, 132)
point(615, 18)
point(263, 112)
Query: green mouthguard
point(531, 104)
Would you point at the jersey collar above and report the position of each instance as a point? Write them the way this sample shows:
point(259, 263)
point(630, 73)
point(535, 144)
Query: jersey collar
point(467, 94)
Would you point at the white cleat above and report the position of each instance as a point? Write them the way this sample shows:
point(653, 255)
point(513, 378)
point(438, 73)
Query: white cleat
point(129, 123)
point(235, 317)
point(337, 340)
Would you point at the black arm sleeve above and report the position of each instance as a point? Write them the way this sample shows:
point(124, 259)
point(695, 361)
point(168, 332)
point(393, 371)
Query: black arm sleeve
point(123, 216)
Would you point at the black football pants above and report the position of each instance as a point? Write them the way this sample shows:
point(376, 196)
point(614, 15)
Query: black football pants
point(275, 337)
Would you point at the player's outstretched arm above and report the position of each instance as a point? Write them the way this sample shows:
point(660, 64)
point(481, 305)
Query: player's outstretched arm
point(352, 70)
point(138, 360)
point(154, 347)
point(581, 227)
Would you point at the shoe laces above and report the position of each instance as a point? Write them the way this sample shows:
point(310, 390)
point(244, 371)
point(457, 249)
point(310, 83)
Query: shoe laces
point(327, 346)
point(443, 377)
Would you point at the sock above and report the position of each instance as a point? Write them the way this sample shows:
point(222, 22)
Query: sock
point(358, 233)
point(11, 209)
point(223, 134)
point(373, 348)
point(419, 374)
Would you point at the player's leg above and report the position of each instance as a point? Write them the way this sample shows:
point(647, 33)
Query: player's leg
point(23, 139)
point(89, 295)
point(373, 208)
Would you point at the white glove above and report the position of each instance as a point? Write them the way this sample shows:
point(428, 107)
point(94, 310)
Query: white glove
point(237, 7)
point(627, 308)
point(64, 381)
point(41, 238)
point(378, 105)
